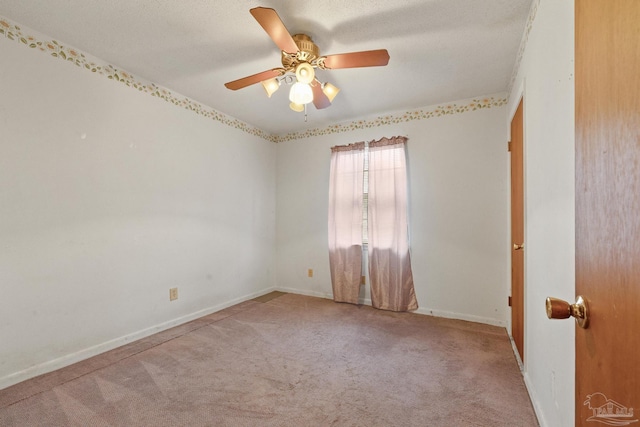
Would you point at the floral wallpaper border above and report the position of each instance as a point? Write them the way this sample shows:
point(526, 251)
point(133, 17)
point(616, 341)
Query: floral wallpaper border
point(408, 116)
point(14, 32)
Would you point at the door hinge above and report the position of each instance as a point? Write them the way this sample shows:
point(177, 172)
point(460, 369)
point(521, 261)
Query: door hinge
point(509, 146)
point(509, 301)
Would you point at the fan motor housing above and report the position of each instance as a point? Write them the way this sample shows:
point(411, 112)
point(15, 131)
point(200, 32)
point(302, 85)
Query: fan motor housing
point(307, 51)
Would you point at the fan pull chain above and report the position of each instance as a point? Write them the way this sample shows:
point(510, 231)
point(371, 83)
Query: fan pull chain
point(305, 113)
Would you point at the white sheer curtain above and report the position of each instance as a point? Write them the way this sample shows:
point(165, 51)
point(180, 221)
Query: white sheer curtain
point(345, 221)
point(390, 272)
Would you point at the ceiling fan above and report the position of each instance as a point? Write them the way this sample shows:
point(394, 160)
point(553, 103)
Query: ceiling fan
point(300, 58)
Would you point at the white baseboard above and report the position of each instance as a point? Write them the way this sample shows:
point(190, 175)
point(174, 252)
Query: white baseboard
point(461, 316)
point(305, 292)
point(516, 353)
point(425, 311)
point(86, 353)
point(534, 401)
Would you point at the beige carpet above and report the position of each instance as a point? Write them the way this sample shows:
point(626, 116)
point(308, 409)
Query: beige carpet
point(289, 361)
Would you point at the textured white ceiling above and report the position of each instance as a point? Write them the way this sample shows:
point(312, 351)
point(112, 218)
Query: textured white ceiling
point(441, 50)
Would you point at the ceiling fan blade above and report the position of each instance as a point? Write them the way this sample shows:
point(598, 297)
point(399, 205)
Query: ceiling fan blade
point(367, 58)
point(320, 100)
point(256, 78)
point(273, 25)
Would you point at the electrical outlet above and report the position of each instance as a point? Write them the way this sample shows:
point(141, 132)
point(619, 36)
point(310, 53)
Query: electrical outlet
point(363, 280)
point(310, 272)
point(173, 294)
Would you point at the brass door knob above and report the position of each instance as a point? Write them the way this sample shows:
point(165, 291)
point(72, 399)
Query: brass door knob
point(560, 309)
point(517, 247)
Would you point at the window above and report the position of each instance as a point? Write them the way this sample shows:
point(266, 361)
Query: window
point(365, 198)
point(368, 210)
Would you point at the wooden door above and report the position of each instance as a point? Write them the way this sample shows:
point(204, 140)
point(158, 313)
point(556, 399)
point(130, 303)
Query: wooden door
point(608, 211)
point(517, 230)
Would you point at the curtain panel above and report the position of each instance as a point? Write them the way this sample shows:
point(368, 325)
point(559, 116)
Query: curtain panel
point(345, 221)
point(390, 275)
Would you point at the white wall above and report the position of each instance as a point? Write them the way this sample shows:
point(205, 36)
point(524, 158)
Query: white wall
point(546, 79)
point(108, 198)
point(459, 212)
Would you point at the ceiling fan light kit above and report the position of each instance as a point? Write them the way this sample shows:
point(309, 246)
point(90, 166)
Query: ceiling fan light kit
point(300, 93)
point(305, 73)
point(271, 86)
point(300, 57)
point(330, 90)
point(298, 108)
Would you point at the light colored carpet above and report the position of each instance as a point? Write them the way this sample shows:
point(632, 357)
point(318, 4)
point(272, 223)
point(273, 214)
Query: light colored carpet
point(290, 361)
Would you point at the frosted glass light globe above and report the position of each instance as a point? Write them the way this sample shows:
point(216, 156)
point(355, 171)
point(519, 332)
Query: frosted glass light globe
point(301, 93)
